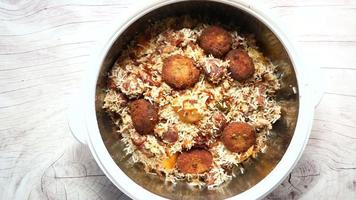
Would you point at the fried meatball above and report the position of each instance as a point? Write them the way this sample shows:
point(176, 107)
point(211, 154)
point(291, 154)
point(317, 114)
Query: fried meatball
point(238, 137)
point(144, 116)
point(215, 40)
point(241, 65)
point(179, 72)
point(195, 161)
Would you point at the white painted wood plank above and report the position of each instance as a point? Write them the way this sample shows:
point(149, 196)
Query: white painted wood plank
point(44, 50)
point(328, 54)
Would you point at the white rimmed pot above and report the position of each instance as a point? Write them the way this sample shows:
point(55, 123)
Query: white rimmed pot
point(84, 124)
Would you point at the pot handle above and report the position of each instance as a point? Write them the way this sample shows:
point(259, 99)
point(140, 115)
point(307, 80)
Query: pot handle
point(76, 115)
point(76, 121)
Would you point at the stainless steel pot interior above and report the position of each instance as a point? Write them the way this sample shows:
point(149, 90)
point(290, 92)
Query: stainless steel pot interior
point(256, 169)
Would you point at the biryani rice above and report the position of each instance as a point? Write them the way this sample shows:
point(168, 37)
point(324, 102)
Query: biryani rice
point(137, 72)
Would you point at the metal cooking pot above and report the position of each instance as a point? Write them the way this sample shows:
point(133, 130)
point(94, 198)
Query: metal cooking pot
point(298, 97)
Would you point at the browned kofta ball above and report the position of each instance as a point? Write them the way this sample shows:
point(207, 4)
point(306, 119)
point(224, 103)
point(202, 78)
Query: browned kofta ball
point(144, 116)
point(241, 65)
point(195, 161)
point(238, 137)
point(215, 40)
point(180, 72)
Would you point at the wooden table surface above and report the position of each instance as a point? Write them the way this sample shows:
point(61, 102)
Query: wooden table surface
point(44, 49)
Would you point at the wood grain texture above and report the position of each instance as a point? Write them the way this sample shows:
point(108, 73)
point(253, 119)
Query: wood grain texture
point(44, 50)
